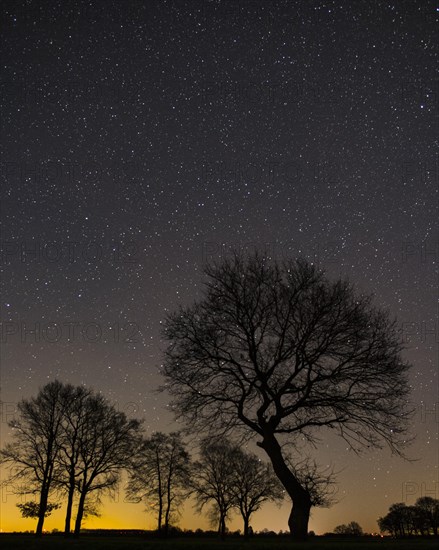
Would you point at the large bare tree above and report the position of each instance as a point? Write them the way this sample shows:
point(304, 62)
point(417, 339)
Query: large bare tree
point(281, 352)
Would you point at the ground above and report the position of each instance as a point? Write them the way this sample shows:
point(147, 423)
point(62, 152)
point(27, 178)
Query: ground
point(87, 542)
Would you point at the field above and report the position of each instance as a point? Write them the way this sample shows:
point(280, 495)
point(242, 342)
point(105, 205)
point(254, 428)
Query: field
point(89, 542)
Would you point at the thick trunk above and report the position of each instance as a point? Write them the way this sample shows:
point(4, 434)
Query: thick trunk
point(222, 527)
point(299, 517)
point(246, 525)
point(80, 513)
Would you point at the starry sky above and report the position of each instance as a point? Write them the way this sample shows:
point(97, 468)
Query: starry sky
point(142, 138)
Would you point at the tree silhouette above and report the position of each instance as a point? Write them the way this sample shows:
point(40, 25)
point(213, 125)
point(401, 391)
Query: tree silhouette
point(352, 529)
point(428, 510)
point(399, 521)
point(106, 442)
point(73, 430)
point(278, 351)
point(35, 447)
point(160, 474)
point(213, 480)
point(31, 509)
point(422, 518)
point(253, 483)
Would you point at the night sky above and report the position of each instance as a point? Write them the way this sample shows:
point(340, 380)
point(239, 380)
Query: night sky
point(142, 138)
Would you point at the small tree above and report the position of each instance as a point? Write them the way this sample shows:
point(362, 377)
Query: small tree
point(213, 480)
point(278, 351)
point(160, 473)
point(31, 509)
point(253, 483)
point(352, 529)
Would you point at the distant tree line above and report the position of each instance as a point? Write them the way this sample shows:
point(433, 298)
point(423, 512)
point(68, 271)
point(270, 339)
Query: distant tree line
point(422, 518)
point(70, 442)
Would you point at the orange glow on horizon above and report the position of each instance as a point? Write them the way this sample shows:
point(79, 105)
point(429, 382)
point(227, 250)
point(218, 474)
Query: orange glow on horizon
point(123, 515)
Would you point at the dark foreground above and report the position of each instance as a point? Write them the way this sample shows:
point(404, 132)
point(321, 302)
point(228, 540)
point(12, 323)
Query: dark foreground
point(90, 542)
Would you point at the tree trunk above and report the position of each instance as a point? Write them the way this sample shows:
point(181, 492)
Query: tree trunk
point(80, 513)
point(222, 527)
point(299, 517)
point(44, 497)
point(168, 502)
point(159, 480)
point(246, 525)
point(167, 516)
point(160, 515)
point(69, 507)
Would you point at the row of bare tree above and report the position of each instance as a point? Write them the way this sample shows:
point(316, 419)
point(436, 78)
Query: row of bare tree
point(224, 476)
point(71, 442)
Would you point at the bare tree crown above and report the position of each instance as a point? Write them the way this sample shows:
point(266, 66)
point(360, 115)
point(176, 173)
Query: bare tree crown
point(280, 349)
